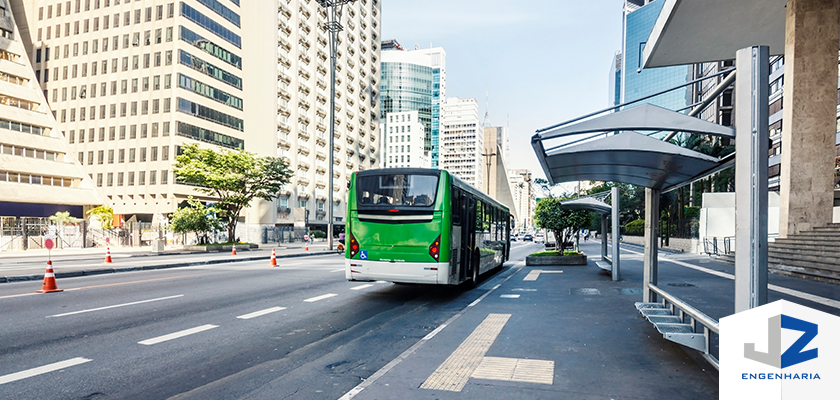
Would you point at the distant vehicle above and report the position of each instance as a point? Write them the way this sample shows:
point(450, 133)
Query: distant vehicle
point(512, 238)
point(550, 242)
point(539, 238)
point(528, 238)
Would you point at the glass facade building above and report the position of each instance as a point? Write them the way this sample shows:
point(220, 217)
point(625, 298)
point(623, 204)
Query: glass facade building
point(637, 83)
point(415, 81)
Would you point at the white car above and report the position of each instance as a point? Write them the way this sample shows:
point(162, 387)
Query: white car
point(539, 238)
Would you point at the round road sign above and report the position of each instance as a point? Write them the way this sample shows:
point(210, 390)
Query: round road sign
point(48, 243)
point(107, 240)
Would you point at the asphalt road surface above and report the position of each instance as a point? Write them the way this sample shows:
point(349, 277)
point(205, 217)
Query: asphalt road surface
point(234, 330)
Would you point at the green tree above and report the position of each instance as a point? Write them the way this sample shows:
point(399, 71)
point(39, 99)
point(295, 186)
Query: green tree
point(564, 223)
point(234, 177)
point(59, 219)
point(195, 217)
point(104, 215)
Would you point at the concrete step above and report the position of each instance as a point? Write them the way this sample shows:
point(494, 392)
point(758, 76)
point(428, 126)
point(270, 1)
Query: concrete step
point(816, 247)
point(829, 227)
point(806, 273)
point(816, 257)
point(806, 265)
point(810, 240)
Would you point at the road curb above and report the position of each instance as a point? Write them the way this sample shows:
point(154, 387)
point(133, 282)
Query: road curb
point(103, 271)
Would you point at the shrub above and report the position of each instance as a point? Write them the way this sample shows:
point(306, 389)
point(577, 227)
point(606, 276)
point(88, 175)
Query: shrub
point(635, 228)
point(318, 234)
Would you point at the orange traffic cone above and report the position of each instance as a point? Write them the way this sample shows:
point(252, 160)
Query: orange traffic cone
point(273, 262)
point(108, 257)
point(233, 253)
point(307, 246)
point(49, 281)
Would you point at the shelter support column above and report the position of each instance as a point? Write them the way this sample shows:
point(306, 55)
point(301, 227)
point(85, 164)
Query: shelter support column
point(806, 188)
point(751, 162)
point(616, 260)
point(651, 268)
point(604, 236)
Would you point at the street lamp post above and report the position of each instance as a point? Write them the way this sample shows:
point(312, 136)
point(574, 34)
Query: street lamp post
point(334, 9)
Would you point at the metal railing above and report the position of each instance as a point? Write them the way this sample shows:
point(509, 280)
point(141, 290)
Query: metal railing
point(696, 316)
point(711, 245)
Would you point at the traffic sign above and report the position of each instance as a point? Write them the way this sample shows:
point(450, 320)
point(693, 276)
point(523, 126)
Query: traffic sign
point(48, 243)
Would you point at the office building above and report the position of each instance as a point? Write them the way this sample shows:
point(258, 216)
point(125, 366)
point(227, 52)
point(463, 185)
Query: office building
point(524, 198)
point(39, 174)
point(130, 82)
point(415, 80)
point(403, 140)
point(638, 19)
point(462, 141)
point(302, 99)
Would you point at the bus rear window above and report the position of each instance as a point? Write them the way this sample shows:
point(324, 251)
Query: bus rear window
point(403, 190)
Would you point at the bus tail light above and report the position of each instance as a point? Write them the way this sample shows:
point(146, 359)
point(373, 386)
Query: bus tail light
point(434, 249)
point(354, 245)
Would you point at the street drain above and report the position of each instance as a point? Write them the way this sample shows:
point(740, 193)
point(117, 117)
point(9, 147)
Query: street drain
point(682, 284)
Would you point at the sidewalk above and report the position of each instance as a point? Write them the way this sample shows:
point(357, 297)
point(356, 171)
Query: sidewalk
point(30, 265)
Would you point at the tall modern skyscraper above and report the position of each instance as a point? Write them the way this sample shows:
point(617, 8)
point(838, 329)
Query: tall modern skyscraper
point(639, 17)
point(523, 196)
point(462, 141)
point(130, 82)
point(39, 175)
point(415, 80)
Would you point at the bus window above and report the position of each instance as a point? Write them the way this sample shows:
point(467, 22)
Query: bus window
point(457, 203)
point(399, 190)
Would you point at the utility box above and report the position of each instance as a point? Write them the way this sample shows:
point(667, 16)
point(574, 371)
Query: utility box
point(158, 245)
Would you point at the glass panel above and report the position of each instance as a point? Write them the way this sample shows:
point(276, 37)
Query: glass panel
point(402, 190)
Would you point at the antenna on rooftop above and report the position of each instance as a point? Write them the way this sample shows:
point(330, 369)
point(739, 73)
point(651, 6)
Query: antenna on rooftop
point(486, 123)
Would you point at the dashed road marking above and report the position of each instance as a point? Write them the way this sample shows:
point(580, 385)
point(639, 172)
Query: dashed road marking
point(534, 274)
point(360, 287)
point(454, 373)
point(177, 335)
point(42, 370)
point(321, 297)
point(338, 270)
point(261, 312)
point(509, 296)
point(115, 306)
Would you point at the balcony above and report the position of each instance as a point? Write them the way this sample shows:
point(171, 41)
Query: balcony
point(303, 150)
point(304, 74)
point(337, 174)
point(336, 188)
point(350, 140)
point(305, 58)
point(284, 144)
point(304, 135)
point(321, 183)
point(283, 111)
point(321, 168)
point(284, 77)
point(284, 93)
point(337, 161)
point(303, 195)
point(321, 111)
point(302, 181)
point(285, 28)
point(304, 42)
point(321, 141)
point(284, 44)
point(283, 9)
point(320, 155)
point(362, 145)
point(321, 83)
point(350, 127)
point(321, 127)
point(362, 157)
point(305, 11)
point(284, 127)
point(303, 165)
point(303, 103)
point(350, 152)
point(321, 99)
point(336, 147)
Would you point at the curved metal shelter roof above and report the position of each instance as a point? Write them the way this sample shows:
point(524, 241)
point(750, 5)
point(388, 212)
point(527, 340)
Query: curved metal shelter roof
point(628, 157)
point(645, 117)
point(588, 204)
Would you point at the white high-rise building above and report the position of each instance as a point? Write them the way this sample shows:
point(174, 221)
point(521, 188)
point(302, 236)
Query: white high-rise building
point(462, 141)
point(302, 97)
point(130, 82)
point(403, 141)
point(39, 175)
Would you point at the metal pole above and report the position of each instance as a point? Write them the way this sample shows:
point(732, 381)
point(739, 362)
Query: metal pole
point(651, 268)
point(333, 8)
point(616, 274)
point(751, 163)
point(603, 236)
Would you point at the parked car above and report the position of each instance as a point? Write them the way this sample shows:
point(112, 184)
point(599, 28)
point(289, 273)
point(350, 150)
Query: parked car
point(528, 237)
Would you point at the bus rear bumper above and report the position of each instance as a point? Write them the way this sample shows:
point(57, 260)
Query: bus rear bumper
point(403, 272)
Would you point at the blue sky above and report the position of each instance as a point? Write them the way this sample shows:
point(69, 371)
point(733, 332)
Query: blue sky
point(542, 62)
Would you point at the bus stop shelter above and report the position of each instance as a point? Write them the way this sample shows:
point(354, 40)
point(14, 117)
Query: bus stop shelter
point(610, 262)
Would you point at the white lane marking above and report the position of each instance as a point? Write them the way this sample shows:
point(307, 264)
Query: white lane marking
point(780, 289)
point(177, 335)
point(42, 370)
point(388, 367)
point(509, 296)
point(360, 287)
point(114, 306)
point(321, 297)
point(523, 290)
point(532, 276)
point(337, 270)
point(261, 312)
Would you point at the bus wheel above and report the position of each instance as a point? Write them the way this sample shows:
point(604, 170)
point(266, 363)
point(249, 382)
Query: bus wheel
point(475, 269)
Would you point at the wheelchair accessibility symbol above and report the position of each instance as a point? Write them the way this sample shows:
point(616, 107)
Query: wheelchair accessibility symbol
point(363, 255)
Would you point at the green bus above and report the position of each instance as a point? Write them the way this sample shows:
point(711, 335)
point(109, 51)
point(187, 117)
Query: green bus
point(415, 225)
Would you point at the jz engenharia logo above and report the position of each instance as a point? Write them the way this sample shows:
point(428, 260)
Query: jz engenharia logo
point(780, 351)
point(794, 354)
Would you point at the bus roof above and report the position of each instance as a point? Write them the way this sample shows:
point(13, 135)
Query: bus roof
point(460, 183)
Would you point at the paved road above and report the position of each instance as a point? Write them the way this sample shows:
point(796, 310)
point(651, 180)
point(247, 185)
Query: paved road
point(225, 331)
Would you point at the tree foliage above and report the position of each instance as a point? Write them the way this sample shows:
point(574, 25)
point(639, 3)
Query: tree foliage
point(104, 215)
point(195, 217)
point(234, 177)
point(63, 217)
point(564, 223)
